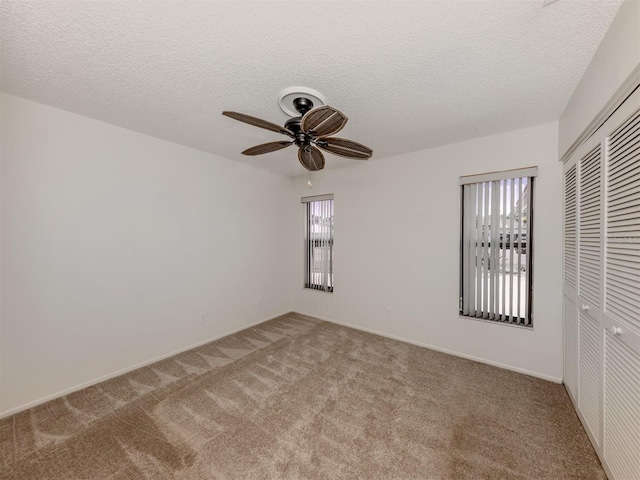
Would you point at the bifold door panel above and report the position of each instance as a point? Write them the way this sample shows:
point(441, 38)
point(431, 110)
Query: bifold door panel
point(602, 288)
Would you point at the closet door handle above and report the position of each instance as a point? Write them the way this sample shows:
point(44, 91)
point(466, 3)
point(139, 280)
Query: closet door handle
point(585, 308)
point(616, 330)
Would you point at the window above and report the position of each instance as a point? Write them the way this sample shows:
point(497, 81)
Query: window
point(318, 241)
point(496, 246)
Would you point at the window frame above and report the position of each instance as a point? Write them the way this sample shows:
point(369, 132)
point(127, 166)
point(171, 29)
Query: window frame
point(324, 240)
point(504, 237)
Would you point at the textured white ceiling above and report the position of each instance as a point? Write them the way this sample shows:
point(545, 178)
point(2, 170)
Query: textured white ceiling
point(409, 75)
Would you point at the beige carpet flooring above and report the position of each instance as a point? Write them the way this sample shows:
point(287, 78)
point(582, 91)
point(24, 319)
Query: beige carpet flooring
point(297, 398)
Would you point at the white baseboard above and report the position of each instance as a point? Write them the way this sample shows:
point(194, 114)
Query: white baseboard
point(62, 393)
point(97, 380)
point(439, 349)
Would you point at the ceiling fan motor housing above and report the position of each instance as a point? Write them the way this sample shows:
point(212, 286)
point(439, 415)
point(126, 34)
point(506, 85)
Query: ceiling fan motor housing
point(302, 105)
point(300, 138)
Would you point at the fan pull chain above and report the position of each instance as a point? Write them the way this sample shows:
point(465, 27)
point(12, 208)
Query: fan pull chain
point(309, 184)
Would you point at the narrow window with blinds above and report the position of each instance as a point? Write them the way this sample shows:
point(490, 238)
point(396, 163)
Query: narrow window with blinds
point(318, 263)
point(496, 246)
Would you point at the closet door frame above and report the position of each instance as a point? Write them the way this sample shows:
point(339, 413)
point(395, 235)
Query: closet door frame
point(569, 293)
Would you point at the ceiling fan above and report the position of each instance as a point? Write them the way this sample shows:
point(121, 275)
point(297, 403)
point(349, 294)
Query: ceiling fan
point(310, 132)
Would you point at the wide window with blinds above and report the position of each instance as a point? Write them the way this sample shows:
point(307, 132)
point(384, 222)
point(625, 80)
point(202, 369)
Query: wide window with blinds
point(496, 246)
point(318, 240)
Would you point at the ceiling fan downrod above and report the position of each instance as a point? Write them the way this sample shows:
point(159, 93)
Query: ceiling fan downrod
point(302, 105)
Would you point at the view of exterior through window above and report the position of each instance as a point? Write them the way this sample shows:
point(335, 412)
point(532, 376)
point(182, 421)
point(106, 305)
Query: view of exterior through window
point(496, 247)
point(319, 242)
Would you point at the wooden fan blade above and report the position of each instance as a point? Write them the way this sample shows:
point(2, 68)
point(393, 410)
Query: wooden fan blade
point(345, 148)
point(311, 158)
point(323, 121)
point(266, 148)
point(258, 122)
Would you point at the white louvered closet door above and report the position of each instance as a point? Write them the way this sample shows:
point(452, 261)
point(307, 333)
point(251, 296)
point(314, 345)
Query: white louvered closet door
point(621, 312)
point(589, 284)
point(602, 288)
point(570, 280)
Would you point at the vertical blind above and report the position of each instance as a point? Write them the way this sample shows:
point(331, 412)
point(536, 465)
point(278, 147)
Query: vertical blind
point(319, 242)
point(496, 246)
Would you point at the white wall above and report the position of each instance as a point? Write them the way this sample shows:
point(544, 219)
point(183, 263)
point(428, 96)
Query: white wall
point(1, 143)
point(397, 229)
point(114, 242)
point(615, 60)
